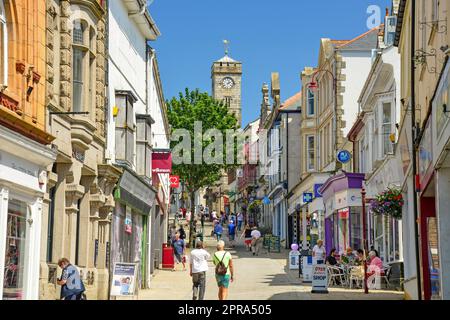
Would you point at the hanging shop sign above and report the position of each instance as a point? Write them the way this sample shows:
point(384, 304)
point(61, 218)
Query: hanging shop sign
point(344, 156)
point(161, 162)
point(343, 213)
point(307, 197)
point(124, 279)
point(174, 182)
point(317, 193)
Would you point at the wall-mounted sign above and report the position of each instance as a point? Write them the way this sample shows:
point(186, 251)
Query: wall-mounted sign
point(343, 213)
point(344, 156)
point(307, 197)
point(128, 223)
point(266, 200)
point(174, 181)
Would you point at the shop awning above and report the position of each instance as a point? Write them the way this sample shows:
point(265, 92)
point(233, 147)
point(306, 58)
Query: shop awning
point(133, 191)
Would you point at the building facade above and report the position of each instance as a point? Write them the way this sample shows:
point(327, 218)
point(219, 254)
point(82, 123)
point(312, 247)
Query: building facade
point(25, 153)
point(134, 94)
point(426, 262)
point(80, 191)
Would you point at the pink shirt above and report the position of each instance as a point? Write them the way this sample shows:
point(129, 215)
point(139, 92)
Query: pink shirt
point(376, 262)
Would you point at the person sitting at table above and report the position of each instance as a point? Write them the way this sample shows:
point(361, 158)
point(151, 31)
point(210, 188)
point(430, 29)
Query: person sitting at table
point(331, 259)
point(359, 257)
point(375, 264)
point(349, 257)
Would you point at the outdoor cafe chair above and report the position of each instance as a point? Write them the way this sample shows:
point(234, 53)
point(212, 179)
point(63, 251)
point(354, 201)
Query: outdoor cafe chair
point(356, 274)
point(335, 273)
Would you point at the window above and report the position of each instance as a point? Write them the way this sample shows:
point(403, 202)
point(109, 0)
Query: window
point(3, 46)
point(227, 101)
point(435, 12)
point(78, 83)
point(84, 66)
point(125, 127)
point(310, 103)
point(143, 146)
point(16, 250)
point(310, 152)
point(386, 128)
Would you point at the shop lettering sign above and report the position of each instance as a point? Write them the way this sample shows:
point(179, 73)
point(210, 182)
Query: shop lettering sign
point(319, 279)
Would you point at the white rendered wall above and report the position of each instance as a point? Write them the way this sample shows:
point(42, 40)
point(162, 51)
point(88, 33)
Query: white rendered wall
point(358, 65)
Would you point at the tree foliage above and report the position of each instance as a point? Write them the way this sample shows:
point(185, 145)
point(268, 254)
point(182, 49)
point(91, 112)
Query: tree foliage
point(182, 113)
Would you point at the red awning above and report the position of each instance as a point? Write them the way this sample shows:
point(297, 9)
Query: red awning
point(161, 162)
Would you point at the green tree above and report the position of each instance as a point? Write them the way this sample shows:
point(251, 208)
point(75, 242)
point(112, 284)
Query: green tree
point(183, 112)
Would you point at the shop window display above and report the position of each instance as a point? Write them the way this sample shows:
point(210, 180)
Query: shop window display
point(15, 251)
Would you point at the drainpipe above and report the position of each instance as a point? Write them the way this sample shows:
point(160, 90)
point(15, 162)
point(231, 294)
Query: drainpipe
point(414, 150)
point(140, 12)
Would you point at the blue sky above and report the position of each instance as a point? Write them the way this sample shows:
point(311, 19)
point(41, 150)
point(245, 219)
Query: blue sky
point(265, 35)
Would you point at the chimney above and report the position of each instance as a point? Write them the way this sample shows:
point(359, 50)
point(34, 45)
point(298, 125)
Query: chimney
point(387, 12)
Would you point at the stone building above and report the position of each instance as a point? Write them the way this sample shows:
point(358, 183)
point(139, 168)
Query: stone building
point(79, 196)
point(24, 146)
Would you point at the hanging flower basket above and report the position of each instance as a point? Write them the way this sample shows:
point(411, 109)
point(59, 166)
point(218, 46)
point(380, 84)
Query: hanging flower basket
point(389, 202)
point(254, 205)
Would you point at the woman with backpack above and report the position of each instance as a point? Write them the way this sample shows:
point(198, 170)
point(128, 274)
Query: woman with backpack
point(224, 269)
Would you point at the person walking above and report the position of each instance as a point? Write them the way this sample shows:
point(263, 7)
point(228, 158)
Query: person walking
point(256, 240)
point(182, 233)
point(72, 285)
point(240, 220)
point(198, 267)
point(224, 269)
point(319, 253)
point(179, 247)
point(247, 234)
point(202, 220)
point(218, 230)
point(231, 232)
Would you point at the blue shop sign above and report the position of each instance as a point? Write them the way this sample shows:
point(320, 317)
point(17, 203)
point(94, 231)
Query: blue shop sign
point(266, 200)
point(307, 197)
point(344, 156)
point(317, 194)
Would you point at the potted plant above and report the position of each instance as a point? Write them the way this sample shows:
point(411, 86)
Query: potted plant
point(389, 202)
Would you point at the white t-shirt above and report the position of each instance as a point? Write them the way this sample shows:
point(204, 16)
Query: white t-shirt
point(319, 253)
point(256, 234)
point(199, 260)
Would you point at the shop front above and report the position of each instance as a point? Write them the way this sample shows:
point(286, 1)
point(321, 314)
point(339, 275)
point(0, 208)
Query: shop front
point(131, 235)
point(343, 211)
point(23, 182)
point(438, 216)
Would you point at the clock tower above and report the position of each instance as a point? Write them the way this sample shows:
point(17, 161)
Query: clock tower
point(226, 75)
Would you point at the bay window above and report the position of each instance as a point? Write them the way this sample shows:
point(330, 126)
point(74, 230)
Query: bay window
point(83, 66)
point(310, 104)
point(125, 127)
point(3, 46)
point(143, 145)
point(310, 152)
point(386, 128)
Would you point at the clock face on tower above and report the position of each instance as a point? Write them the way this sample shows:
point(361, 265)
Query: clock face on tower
point(227, 83)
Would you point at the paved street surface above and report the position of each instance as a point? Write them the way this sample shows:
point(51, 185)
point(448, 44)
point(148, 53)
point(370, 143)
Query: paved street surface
point(263, 277)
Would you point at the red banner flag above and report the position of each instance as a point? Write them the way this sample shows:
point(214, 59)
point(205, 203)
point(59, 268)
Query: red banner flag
point(161, 162)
